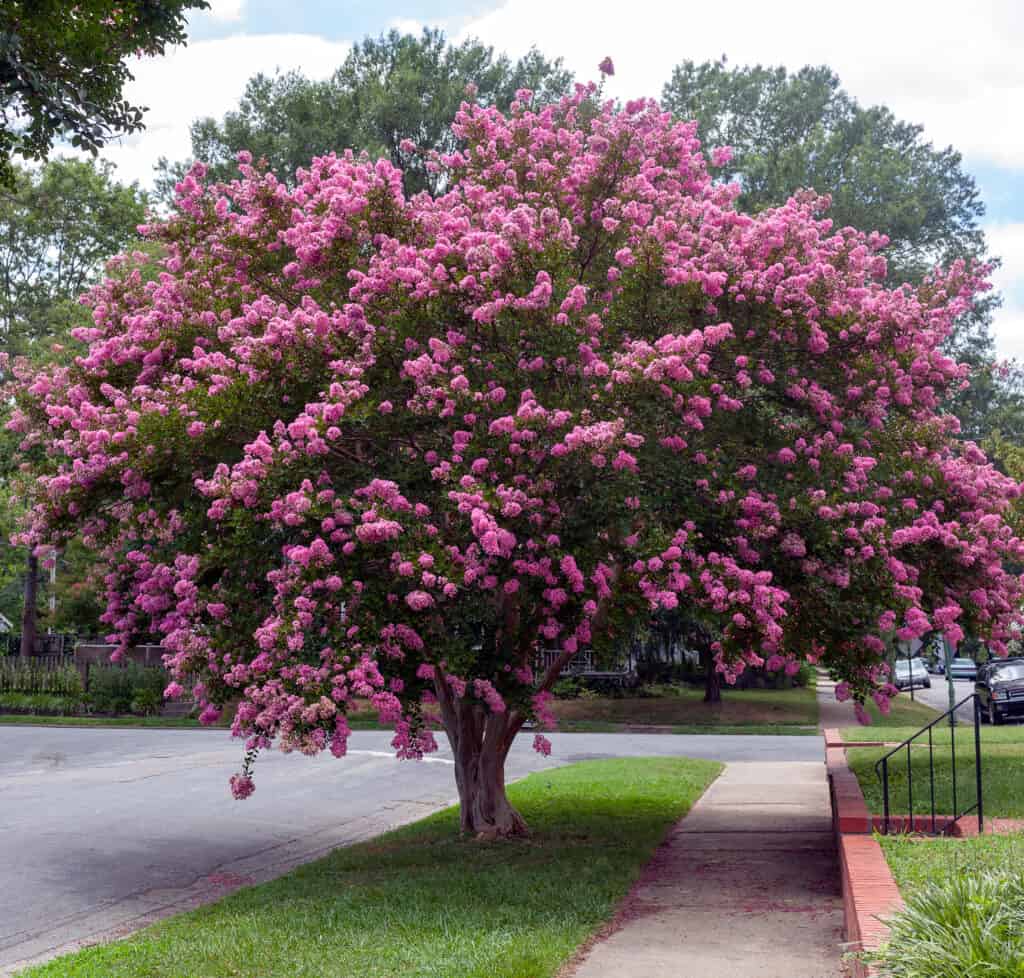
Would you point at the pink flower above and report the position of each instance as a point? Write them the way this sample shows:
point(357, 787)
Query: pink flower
point(542, 745)
point(418, 600)
point(721, 155)
point(606, 67)
point(242, 786)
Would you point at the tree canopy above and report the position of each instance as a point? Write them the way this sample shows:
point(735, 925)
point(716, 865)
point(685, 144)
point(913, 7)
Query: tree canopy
point(63, 67)
point(404, 444)
point(393, 96)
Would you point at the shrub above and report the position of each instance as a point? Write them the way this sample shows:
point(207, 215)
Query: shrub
point(567, 688)
point(39, 676)
point(962, 925)
point(126, 689)
point(659, 673)
point(148, 686)
point(46, 703)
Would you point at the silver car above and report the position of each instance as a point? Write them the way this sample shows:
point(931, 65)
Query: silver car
point(963, 669)
point(911, 673)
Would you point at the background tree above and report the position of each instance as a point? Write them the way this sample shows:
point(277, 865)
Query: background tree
point(389, 90)
point(58, 226)
point(63, 67)
point(354, 445)
point(791, 131)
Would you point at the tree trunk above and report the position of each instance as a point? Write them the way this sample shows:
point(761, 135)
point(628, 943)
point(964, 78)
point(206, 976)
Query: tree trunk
point(28, 613)
point(480, 742)
point(712, 680)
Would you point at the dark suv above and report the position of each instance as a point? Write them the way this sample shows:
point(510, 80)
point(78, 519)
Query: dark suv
point(1000, 688)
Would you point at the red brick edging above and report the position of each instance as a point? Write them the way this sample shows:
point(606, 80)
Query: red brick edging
point(869, 890)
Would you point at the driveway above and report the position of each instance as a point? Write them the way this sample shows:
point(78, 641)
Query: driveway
point(105, 830)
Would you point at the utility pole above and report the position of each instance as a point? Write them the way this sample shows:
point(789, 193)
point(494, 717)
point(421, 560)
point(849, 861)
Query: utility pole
point(28, 613)
point(910, 669)
point(53, 594)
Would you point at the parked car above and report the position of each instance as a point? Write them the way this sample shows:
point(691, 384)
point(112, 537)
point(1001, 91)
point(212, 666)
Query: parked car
point(910, 673)
point(963, 669)
point(936, 666)
point(1000, 688)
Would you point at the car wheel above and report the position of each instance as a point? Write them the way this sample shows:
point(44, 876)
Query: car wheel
point(927, 684)
point(993, 715)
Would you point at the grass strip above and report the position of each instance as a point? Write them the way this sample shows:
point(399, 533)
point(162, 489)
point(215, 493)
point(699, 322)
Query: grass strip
point(421, 902)
point(684, 706)
point(759, 729)
point(158, 722)
point(915, 861)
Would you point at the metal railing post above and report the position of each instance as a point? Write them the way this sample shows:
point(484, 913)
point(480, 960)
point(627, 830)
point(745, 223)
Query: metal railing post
point(977, 762)
point(952, 762)
point(910, 790)
point(885, 792)
point(931, 776)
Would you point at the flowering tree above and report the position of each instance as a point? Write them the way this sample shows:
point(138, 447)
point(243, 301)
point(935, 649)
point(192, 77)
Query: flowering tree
point(342, 444)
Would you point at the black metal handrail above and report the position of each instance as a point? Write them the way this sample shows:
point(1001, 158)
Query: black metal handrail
point(882, 769)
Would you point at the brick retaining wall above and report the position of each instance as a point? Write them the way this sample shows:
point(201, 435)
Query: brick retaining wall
point(869, 889)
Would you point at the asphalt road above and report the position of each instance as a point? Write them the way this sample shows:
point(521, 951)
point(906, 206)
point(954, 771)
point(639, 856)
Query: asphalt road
point(938, 696)
point(104, 830)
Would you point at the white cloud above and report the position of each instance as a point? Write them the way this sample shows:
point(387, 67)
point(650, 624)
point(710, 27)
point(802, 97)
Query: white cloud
point(206, 78)
point(225, 11)
point(958, 73)
point(406, 25)
point(1007, 241)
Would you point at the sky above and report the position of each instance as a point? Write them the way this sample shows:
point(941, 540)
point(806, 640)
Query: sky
point(953, 68)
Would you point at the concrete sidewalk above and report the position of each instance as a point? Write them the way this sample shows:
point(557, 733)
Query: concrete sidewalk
point(746, 885)
point(832, 713)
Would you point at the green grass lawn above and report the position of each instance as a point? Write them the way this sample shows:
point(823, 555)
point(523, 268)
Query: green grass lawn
point(915, 861)
point(1002, 772)
point(741, 711)
point(421, 902)
point(902, 713)
point(25, 719)
point(679, 709)
point(764, 729)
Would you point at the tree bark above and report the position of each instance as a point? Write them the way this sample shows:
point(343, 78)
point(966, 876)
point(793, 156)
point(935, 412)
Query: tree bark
point(712, 679)
point(29, 612)
point(480, 741)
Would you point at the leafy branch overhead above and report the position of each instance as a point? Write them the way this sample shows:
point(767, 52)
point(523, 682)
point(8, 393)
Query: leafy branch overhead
point(63, 67)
